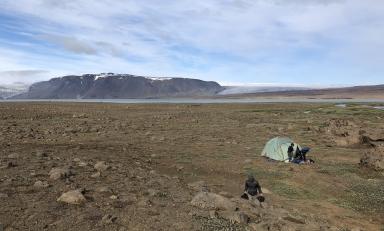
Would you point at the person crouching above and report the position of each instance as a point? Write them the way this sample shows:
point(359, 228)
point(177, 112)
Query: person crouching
point(253, 190)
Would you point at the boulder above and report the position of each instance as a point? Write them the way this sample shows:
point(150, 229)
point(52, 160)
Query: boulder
point(209, 201)
point(74, 197)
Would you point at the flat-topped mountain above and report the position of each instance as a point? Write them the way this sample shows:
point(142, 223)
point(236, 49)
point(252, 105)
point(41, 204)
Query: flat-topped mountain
point(118, 86)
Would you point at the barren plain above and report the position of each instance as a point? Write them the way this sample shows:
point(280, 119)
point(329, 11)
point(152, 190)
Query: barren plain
point(182, 167)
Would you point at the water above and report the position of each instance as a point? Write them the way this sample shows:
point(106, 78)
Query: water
point(206, 101)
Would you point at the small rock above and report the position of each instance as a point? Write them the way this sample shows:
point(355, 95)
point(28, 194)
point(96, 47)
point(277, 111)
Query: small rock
point(59, 173)
point(74, 197)
point(13, 156)
point(179, 168)
point(76, 160)
point(197, 186)
point(144, 203)
point(41, 153)
point(113, 197)
point(101, 166)
point(294, 219)
point(152, 192)
point(238, 217)
point(108, 219)
point(82, 164)
point(247, 161)
point(153, 212)
point(41, 184)
point(104, 189)
point(213, 214)
point(96, 175)
point(356, 229)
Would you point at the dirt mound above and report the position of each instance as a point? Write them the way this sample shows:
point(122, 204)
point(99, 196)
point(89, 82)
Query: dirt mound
point(347, 133)
point(344, 132)
point(374, 158)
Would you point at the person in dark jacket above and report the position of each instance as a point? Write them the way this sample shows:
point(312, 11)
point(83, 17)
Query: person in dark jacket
point(253, 190)
point(301, 154)
point(290, 152)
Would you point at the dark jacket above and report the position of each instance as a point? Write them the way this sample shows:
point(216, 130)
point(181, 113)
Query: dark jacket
point(252, 187)
point(290, 152)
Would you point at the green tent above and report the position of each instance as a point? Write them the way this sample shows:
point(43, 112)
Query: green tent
point(277, 148)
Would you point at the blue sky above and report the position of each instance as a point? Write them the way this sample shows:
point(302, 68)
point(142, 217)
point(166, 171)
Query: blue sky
point(233, 42)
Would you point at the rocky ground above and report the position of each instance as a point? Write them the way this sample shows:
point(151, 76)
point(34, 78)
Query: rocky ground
point(182, 167)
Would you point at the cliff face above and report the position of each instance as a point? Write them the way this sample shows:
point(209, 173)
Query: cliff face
point(117, 86)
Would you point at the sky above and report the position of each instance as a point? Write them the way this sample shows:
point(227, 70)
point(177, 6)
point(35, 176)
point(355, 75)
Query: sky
point(233, 42)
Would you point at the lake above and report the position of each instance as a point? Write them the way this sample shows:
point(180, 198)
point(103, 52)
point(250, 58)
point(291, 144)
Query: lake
point(203, 101)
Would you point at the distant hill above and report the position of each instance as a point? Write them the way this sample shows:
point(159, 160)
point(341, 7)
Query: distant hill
point(118, 86)
point(372, 92)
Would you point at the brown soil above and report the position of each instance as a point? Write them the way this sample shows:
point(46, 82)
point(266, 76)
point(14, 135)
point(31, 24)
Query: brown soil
point(152, 153)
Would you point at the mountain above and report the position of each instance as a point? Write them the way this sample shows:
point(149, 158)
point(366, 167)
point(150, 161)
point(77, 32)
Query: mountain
point(10, 90)
point(118, 86)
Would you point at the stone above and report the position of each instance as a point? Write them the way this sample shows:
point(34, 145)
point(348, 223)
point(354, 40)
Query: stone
point(108, 219)
point(82, 164)
point(76, 160)
point(197, 185)
point(40, 153)
point(238, 217)
point(152, 192)
point(13, 156)
point(207, 200)
point(59, 173)
point(113, 197)
point(104, 189)
point(213, 214)
point(101, 166)
point(296, 220)
point(247, 161)
point(96, 175)
point(74, 197)
point(41, 184)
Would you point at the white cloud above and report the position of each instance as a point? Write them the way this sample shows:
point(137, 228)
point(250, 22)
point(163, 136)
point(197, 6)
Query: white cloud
point(249, 40)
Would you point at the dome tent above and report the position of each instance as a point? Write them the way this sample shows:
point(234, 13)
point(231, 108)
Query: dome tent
point(277, 148)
